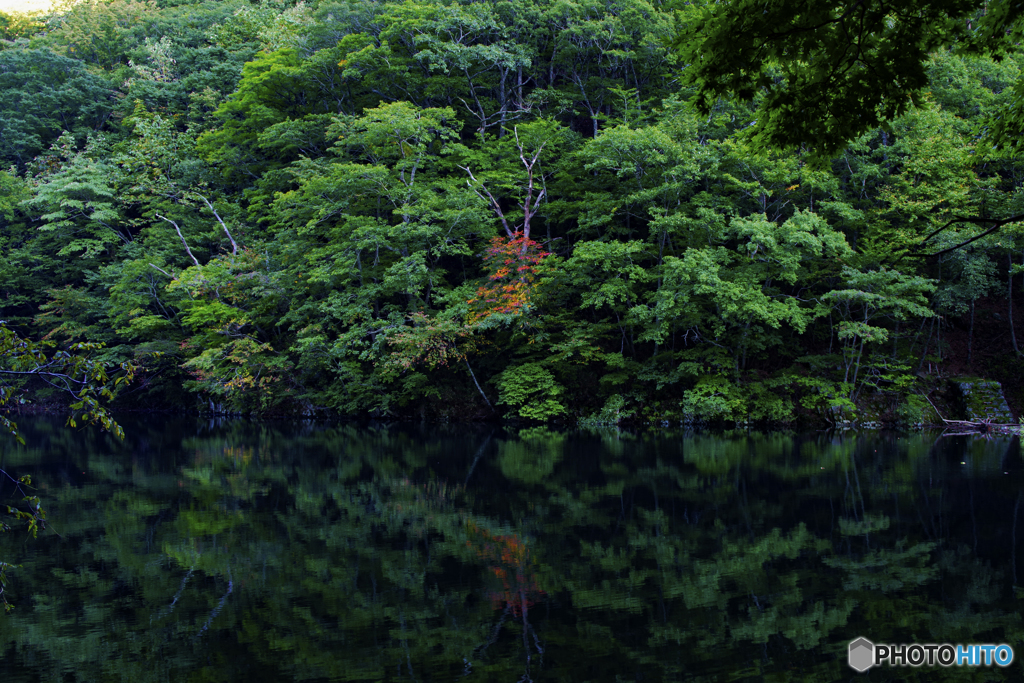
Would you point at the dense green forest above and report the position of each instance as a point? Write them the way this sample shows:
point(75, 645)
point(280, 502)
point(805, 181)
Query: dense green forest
point(523, 208)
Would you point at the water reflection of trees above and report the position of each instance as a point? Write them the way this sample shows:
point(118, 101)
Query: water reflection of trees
point(280, 551)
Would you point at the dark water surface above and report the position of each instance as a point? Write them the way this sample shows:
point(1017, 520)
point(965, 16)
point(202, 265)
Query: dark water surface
point(241, 551)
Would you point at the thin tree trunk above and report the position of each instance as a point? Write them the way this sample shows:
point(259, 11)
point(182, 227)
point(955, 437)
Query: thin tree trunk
point(970, 336)
point(927, 343)
point(856, 371)
point(1009, 298)
point(519, 90)
point(502, 98)
point(917, 336)
point(860, 354)
point(938, 335)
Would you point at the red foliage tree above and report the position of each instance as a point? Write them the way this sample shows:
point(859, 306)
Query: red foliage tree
point(514, 265)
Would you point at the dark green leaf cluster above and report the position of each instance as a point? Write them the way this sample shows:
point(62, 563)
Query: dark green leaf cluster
point(825, 73)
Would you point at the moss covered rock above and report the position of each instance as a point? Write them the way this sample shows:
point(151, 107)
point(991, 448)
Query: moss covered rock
point(981, 399)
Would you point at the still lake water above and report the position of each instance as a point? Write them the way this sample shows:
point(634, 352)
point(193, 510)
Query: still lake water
point(239, 551)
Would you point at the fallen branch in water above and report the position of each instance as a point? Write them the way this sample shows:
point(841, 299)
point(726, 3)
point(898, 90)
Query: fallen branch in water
point(983, 424)
point(979, 426)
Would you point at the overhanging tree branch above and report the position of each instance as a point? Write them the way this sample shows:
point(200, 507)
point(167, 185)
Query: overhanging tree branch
point(994, 225)
point(164, 272)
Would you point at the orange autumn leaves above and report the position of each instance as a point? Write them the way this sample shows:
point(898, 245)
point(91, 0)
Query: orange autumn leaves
point(514, 266)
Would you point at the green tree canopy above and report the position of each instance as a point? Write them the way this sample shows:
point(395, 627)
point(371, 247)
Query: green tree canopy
point(823, 73)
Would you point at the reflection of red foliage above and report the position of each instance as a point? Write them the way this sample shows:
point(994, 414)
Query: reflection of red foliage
point(513, 264)
point(511, 556)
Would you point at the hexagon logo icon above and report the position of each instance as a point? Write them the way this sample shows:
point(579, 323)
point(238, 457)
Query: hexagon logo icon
point(862, 655)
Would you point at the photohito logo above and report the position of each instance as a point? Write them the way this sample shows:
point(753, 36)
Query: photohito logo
point(863, 654)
